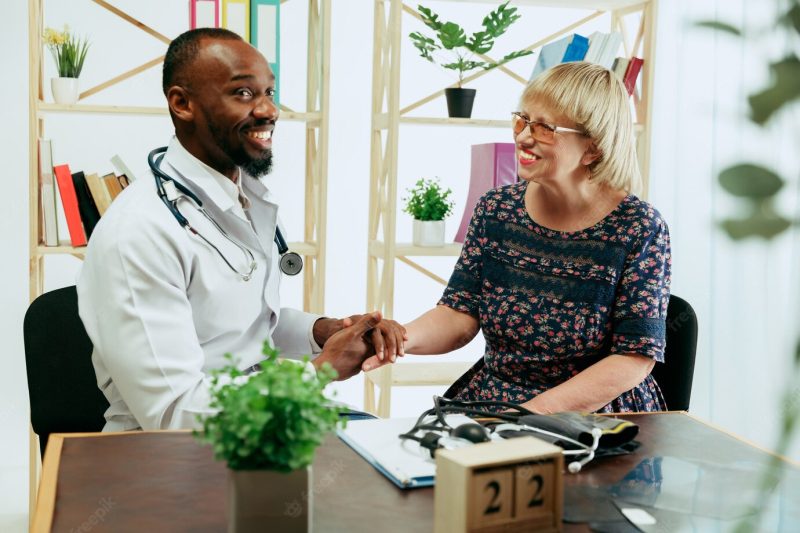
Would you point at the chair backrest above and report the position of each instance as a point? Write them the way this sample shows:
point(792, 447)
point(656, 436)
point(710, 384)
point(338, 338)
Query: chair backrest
point(675, 374)
point(62, 386)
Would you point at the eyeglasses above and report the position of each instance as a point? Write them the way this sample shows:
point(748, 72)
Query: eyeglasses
point(541, 131)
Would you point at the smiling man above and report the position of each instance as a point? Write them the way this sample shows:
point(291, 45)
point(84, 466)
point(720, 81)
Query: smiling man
point(184, 268)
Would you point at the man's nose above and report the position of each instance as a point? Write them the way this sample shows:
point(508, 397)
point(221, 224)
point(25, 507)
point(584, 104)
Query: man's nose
point(266, 108)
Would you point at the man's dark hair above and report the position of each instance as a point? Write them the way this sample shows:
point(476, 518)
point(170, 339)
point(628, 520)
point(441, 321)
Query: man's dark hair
point(182, 51)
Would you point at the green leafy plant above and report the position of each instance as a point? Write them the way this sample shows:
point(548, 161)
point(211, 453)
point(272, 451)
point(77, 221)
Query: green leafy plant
point(462, 49)
point(758, 186)
point(428, 201)
point(69, 51)
point(273, 420)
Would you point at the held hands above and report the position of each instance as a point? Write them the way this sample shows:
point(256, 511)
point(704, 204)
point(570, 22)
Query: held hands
point(349, 341)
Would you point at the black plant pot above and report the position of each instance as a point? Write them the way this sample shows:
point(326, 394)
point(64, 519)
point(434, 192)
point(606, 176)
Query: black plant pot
point(459, 102)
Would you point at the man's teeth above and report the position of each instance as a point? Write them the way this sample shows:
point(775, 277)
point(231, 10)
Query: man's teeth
point(261, 135)
point(530, 157)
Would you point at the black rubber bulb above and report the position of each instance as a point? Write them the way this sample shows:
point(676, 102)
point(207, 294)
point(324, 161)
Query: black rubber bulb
point(471, 432)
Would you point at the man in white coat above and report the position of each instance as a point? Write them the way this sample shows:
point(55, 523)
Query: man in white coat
point(164, 303)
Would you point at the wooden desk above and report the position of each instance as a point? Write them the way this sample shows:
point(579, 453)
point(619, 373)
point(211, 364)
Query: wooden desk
point(166, 481)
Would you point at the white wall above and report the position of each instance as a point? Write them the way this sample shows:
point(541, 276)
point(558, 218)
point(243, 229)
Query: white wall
point(745, 296)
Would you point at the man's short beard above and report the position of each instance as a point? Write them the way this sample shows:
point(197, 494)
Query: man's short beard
point(260, 167)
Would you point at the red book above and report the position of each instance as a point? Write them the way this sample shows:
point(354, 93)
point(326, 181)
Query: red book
point(70, 202)
point(632, 73)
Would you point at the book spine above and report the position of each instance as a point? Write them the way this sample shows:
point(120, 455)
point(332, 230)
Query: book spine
point(632, 73)
point(48, 194)
point(122, 168)
point(99, 193)
point(86, 207)
point(576, 50)
point(70, 202)
point(112, 185)
point(265, 35)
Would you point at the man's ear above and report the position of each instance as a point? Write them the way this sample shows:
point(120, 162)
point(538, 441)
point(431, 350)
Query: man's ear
point(591, 155)
point(179, 103)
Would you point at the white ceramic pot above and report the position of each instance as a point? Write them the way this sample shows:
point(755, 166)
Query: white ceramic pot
point(65, 90)
point(428, 233)
point(265, 500)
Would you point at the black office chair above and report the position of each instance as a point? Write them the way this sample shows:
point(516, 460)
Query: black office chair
point(62, 386)
point(675, 374)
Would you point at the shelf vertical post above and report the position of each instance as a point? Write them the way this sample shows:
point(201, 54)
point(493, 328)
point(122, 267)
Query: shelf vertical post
point(316, 189)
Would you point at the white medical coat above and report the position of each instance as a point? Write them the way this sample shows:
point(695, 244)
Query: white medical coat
point(162, 308)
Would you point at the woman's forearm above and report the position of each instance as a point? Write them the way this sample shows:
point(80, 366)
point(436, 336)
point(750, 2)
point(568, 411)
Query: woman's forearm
point(440, 330)
point(594, 387)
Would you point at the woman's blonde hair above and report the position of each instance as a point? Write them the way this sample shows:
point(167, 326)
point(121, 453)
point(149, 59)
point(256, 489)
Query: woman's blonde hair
point(593, 97)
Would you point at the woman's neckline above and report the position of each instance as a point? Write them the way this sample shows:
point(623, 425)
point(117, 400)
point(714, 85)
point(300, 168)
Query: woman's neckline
point(625, 199)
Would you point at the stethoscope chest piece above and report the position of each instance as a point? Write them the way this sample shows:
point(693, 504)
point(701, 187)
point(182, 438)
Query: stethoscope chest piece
point(291, 263)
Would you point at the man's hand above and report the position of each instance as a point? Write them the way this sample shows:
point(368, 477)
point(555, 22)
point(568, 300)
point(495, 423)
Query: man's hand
point(387, 337)
point(346, 349)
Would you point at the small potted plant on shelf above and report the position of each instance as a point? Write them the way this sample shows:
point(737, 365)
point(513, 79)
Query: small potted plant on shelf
point(69, 53)
point(429, 204)
point(461, 50)
point(266, 428)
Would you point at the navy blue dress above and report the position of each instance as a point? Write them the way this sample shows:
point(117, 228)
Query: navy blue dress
point(552, 303)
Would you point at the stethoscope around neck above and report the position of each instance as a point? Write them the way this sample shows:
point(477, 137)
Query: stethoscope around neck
point(290, 263)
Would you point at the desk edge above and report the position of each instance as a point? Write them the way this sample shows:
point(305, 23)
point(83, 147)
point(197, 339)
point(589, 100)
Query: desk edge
point(743, 440)
point(46, 501)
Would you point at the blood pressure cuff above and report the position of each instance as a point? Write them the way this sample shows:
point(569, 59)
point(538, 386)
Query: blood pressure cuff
point(578, 426)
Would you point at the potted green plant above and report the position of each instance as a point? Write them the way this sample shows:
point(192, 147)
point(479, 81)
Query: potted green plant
point(267, 427)
point(462, 50)
point(429, 204)
point(69, 53)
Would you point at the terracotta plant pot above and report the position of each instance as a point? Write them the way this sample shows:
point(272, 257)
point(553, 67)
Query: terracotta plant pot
point(428, 233)
point(265, 500)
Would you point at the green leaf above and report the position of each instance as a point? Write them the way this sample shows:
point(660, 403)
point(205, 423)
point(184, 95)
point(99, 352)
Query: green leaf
point(480, 42)
point(273, 420)
point(507, 58)
point(498, 21)
point(428, 201)
point(425, 45)
point(429, 18)
point(785, 89)
point(761, 225)
point(452, 35)
point(720, 26)
point(792, 18)
point(750, 181)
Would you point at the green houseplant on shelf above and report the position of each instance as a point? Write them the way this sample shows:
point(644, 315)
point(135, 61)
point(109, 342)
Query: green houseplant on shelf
point(460, 50)
point(429, 204)
point(69, 53)
point(267, 428)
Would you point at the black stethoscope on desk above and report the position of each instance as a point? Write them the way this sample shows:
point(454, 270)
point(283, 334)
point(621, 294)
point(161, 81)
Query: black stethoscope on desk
point(290, 262)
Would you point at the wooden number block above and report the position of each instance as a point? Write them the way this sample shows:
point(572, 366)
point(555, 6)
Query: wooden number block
point(492, 497)
point(510, 486)
point(535, 491)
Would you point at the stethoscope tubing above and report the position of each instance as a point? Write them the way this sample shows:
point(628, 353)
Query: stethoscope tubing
point(290, 263)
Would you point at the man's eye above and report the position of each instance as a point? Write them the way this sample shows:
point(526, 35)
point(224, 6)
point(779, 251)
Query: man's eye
point(247, 93)
point(271, 92)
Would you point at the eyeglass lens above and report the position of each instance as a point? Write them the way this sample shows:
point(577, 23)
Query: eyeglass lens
point(538, 130)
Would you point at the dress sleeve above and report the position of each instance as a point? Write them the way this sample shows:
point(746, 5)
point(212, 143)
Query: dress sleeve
point(463, 291)
point(640, 307)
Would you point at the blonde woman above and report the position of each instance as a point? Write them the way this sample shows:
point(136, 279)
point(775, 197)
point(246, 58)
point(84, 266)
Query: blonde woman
point(567, 272)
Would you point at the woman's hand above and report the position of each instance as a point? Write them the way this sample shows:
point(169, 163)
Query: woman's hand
point(387, 338)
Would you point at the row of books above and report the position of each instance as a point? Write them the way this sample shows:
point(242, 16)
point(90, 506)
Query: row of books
point(82, 198)
point(600, 48)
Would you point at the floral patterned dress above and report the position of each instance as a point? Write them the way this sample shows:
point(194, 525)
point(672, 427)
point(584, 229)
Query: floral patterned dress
point(551, 303)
